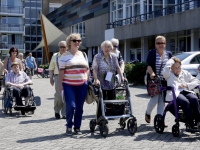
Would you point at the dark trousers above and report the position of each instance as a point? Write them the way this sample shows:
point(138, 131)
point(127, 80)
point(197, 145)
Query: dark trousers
point(189, 103)
point(18, 93)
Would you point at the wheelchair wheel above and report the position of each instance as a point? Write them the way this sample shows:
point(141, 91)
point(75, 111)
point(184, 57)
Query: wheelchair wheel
point(122, 123)
point(175, 130)
point(159, 123)
point(92, 125)
point(132, 126)
point(103, 129)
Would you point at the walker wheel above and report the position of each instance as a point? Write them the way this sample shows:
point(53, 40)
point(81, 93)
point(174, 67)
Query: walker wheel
point(22, 112)
point(104, 129)
point(92, 125)
point(159, 123)
point(132, 126)
point(175, 130)
point(122, 123)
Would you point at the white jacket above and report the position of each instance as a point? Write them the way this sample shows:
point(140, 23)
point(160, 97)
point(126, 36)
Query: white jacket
point(174, 81)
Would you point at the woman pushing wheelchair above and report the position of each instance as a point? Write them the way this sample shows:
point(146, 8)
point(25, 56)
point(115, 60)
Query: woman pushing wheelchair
point(183, 83)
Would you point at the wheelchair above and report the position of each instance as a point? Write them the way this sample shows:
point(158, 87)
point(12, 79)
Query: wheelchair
point(9, 102)
point(176, 110)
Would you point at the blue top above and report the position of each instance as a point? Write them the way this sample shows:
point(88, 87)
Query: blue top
point(30, 62)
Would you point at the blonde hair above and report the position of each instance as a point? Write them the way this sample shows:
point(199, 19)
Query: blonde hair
point(160, 37)
point(21, 54)
point(176, 60)
point(14, 63)
point(71, 37)
point(106, 43)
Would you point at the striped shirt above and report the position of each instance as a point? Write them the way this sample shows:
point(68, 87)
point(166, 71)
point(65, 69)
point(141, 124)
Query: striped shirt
point(159, 60)
point(75, 66)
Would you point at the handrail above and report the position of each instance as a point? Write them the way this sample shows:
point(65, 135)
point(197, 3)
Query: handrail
point(11, 9)
point(11, 27)
point(154, 14)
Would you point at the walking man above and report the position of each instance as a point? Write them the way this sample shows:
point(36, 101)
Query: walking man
point(59, 105)
point(31, 64)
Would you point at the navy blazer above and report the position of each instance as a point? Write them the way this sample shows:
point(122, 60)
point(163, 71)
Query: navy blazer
point(151, 59)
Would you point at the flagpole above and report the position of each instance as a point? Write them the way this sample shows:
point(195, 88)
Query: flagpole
point(45, 40)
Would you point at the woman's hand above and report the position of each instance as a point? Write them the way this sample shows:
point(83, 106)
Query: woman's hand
point(60, 89)
point(152, 76)
point(5, 71)
point(96, 82)
point(183, 86)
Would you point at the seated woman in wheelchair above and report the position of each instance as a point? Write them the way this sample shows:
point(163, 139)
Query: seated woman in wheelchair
point(18, 80)
point(183, 82)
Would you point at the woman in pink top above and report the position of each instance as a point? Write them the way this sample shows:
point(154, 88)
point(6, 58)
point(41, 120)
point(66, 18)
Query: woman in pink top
point(73, 76)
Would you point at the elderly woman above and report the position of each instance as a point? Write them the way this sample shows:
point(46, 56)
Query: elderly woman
point(24, 64)
point(13, 58)
point(115, 51)
point(156, 60)
point(73, 76)
point(104, 67)
point(183, 82)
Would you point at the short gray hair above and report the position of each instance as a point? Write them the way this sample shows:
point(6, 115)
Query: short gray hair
point(106, 43)
point(64, 42)
point(21, 54)
point(116, 41)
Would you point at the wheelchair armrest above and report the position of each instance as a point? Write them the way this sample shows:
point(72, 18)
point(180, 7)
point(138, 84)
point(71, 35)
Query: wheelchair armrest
point(169, 88)
point(30, 84)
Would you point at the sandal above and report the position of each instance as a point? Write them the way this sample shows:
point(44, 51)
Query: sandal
point(147, 118)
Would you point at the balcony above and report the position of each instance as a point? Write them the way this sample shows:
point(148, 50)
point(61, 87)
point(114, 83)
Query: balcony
point(6, 46)
point(13, 10)
point(6, 28)
point(154, 14)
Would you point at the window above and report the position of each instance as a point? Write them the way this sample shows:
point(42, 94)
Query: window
point(79, 28)
point(194, 60)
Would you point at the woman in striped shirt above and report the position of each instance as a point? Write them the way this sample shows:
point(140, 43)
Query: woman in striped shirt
point(156, 61)
point(73, 76)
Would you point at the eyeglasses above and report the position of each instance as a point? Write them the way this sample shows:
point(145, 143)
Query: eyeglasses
point(115, 46)
point(159, 43)
point(62, 46)
point(14, 51)
point(76, 41)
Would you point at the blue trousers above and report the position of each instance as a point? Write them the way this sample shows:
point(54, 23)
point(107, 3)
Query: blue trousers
point(74, 98)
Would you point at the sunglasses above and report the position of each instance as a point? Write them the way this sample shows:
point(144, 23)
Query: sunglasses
point(115, 46)
point(159, 43)
point(76, 41)
point(62, 47)
point(14, 51)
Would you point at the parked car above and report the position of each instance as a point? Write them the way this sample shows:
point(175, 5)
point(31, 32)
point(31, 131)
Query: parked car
point(189, 60)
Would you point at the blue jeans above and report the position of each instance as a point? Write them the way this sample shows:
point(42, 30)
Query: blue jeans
point(74, 98)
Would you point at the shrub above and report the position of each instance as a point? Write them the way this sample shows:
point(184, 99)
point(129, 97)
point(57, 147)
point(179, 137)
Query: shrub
point(135, 72)
point(45, 66)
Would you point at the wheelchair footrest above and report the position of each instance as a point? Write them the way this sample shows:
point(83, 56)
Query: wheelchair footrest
point(25, 108)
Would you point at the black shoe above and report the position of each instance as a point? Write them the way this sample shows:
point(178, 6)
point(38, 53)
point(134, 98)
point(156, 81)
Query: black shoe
point(63, 117)
point(57, 115)
point(77, 131)
point(69, 131)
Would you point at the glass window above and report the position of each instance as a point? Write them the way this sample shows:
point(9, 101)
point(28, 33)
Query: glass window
point(33, 46)
point(14, 20)
point(4, 20)
point(27, 46)
point(33, 30)
point(4, 38)
point(27, 12)
point(27, 38)
point(194, 60)
point(39, 31)
point(182, 56)
point(27, 30)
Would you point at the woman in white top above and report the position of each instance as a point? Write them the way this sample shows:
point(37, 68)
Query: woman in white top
point(183, 82)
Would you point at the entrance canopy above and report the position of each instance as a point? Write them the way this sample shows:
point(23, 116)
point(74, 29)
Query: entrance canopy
point(53, 34)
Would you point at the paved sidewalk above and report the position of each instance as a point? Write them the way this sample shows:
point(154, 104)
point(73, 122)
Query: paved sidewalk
point(42, 131)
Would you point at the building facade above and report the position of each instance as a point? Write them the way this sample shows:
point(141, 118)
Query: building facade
point(135, 23)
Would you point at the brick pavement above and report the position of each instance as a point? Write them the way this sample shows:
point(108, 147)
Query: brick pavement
point(41, 131)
